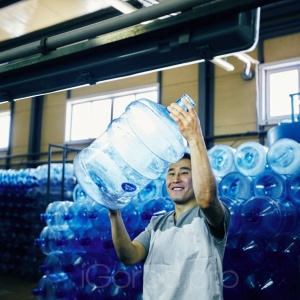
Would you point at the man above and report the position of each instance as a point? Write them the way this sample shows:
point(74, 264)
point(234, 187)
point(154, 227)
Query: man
point(183, 249)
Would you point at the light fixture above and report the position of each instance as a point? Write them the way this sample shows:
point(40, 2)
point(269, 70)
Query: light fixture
point(122, 6)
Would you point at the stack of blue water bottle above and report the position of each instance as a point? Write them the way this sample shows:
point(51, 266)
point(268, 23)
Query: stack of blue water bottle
point(23, 196)
point(81, 262)
point(261, 187)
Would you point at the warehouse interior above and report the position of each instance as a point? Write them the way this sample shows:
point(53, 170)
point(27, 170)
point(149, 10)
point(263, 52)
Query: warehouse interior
point(55, 51)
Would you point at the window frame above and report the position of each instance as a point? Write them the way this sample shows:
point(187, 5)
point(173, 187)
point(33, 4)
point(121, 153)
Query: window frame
point(101, 96)
point(264, 70)
point(5, 113)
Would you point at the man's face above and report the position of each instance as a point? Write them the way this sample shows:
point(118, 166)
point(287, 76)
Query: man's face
point(179, 182)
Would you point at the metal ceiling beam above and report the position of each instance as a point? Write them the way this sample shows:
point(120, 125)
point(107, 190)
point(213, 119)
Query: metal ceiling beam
point(47, 44)
point(210, 29)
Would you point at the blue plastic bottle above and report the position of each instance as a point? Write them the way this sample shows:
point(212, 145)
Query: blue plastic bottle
point(51, 240)
point(56, 287)
point(267, 284)
point(234, 207)
point(221, 158)
point(245, 251)
point(155, 207)
point(270, 184)
point(100, 218)
point(56, 215)
point(235, 185)
point(79, 216)
point(155, 189)
point(282, 252)
point(284, 157)
point(250, 158)
point(131, 217)
point(266, 217)
point(293, 188)
point(135, 149)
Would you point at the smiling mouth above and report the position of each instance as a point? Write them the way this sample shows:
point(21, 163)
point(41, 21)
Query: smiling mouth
point(177, 188)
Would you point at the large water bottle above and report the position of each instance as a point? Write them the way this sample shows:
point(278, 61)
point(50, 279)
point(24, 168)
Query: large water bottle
point(57, 215)
point(245, 252)
point(283, 252)
point(56, 287)
point(250, 158)
point(234, 206)
point(235, 185)
point(266, 217)
point(221, 158)
point(270, 184)
point(135, 149)
point(267, 284)
point(284, 157)
point(155, 207)
point(293, 188)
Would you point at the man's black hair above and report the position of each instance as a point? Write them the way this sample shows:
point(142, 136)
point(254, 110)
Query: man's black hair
point(186, 155)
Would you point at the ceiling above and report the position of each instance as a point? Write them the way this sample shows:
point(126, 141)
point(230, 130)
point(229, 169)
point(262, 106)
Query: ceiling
point(58, 44)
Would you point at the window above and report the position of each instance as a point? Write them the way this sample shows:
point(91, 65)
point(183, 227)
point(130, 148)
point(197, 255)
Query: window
point(5, 129)
point(277, 82)
point(87, 118)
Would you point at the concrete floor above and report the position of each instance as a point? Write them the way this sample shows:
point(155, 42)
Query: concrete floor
point(13, 288)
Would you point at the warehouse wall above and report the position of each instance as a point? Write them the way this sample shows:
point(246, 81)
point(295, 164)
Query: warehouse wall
point(235, 98)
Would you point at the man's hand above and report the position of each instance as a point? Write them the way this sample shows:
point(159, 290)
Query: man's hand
point(188, 121)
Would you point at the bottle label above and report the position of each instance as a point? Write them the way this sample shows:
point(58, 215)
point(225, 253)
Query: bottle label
point(128, 187)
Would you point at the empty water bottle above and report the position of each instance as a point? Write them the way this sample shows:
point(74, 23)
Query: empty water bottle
point(284, 157)
point(283, 251)
point(234, 207)
point(56, 287)
point(79, 216)
point(79, 194)
point(293, 188)
point(221, 158)
point(135, 149)
point(267, 284)
point(265, 217)
point(51, 240)
point(155, 189)
point(270, 184)
point(155, 207)
point(57, 215)
point(250, 158)
point(236, 186)
point(245, 251)
point(100, 218)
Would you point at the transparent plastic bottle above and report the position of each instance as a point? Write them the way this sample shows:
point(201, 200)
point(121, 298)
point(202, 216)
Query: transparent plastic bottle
point(58, 286)
point(79, 216)
point(266, 284)
point(155, 207)
point(283, 252)
point(221, 158)
point(263, 216)
point(284, 157)
point(135, 149)
point(293, 188)
point(270, 184)
point(250, 158)
point(236, 186)
point(56, 215)
point(245, 251)
point(234, 206)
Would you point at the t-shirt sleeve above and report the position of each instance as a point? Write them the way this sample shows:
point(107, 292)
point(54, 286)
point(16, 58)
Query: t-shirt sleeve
point(144, 237)
point(226, 224)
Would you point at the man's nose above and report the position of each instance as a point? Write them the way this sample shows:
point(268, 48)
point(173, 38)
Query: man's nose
point(177, 178)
